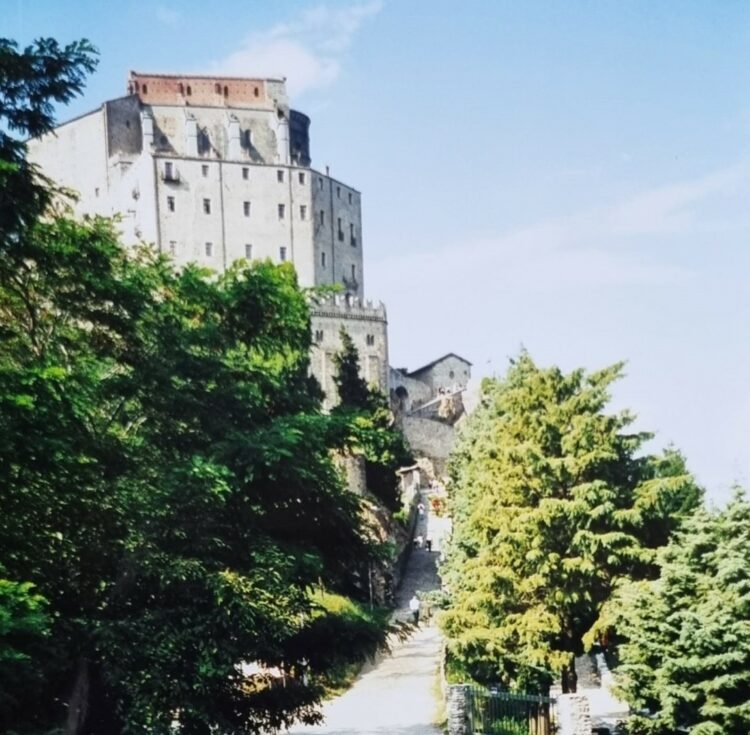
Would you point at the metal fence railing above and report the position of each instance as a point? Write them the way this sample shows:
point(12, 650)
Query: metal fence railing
point(503, 713)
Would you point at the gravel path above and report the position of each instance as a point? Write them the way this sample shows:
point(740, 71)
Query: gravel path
point(396, 695)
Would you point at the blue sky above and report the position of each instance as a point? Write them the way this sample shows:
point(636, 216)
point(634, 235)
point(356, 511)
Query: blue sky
point(570, 176)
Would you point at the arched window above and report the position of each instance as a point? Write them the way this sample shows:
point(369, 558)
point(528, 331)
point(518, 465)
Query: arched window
point(226, 91)
point(189, 91)
point(256, 92)
point(182, 88)
point(145, 89)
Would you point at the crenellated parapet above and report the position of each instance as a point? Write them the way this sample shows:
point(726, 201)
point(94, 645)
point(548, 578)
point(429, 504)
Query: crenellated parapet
point(339, 306)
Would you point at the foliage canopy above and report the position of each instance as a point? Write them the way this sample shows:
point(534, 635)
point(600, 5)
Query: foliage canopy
point(552, 502)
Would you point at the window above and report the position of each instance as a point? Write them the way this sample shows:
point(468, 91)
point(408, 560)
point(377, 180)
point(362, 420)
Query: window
point(303, 211)
point(207, 206)
point(245, 173)
point(170, 204)
point(204, 170)
point(354, 272)
point(256, 92)
point(322, 217)
point(248, 251)
point(352, 237)
point(350, 197)
point(280, 176)
point(189, 90)
point(370, 340)
point(168, 170)
point(323, 259)
point(302, 177)
point(217, 88)
point(145, 89)
point(338, 192)
point(226, 91)
point(96, 192)
point(247, 136)
point(318, 335)
point(246, 208)
point(172, 247)
point(282, 210)
point(209, 249)
point(320, 183)
point(340, 231)
point(282, 253)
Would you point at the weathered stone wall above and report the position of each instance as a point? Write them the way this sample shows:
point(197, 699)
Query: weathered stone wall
point(429, 438)
point(337, 222)
point(367, 326)
point(75, 156)
point(573, 714)
point(178, 90)
point(407, 392)
point(458, 703)
point(259, 205)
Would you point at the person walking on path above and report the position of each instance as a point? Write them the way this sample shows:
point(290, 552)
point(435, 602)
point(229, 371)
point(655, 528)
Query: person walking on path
point(414, 607)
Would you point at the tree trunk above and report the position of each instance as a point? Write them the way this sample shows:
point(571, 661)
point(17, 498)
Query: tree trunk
point(569, 677)
point(78, 707)
point(91, 710)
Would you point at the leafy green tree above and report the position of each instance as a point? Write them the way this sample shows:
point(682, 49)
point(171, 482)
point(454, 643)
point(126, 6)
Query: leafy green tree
point(370, 423)
point(167, 482)
point(553, 502)
point(168, 486)
point(686, 655)
point(31, 81)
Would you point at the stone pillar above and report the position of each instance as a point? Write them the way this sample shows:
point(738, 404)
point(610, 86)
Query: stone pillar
point(459, 702)
point(147, 130)
point(282, 141)
point(233, 148)
point(191, 137)
point(573, 714)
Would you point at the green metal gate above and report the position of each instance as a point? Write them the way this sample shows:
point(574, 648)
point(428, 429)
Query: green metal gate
point(503, 713)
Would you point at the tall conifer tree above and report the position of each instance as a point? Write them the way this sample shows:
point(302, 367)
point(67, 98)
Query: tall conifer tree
point(552, 501)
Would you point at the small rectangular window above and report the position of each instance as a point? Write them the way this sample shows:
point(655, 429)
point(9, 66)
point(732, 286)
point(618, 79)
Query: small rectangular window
point(322, 217)
point(280, 176)
point(340, 231)
point(302, 177)
point(249, 251)
point(204, 170)
point(303, 211)
point(338, 192)
point(354, 271)
point(209, 249)
point(245, 173)
point(282, 210)
point(207, 206)
point(170, 204)
point(350, 197)
point(282, 253)
point(323, 259)
point(172, 247)
point(320, 183)
point(168, 170)
point(246, 208)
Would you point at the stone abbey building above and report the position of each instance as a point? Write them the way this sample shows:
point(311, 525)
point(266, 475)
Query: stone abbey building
point(214, 169)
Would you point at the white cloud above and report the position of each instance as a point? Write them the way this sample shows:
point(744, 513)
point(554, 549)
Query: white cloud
point(307, 50)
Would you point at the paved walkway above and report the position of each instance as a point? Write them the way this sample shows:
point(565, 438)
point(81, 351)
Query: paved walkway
point(396, 695)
